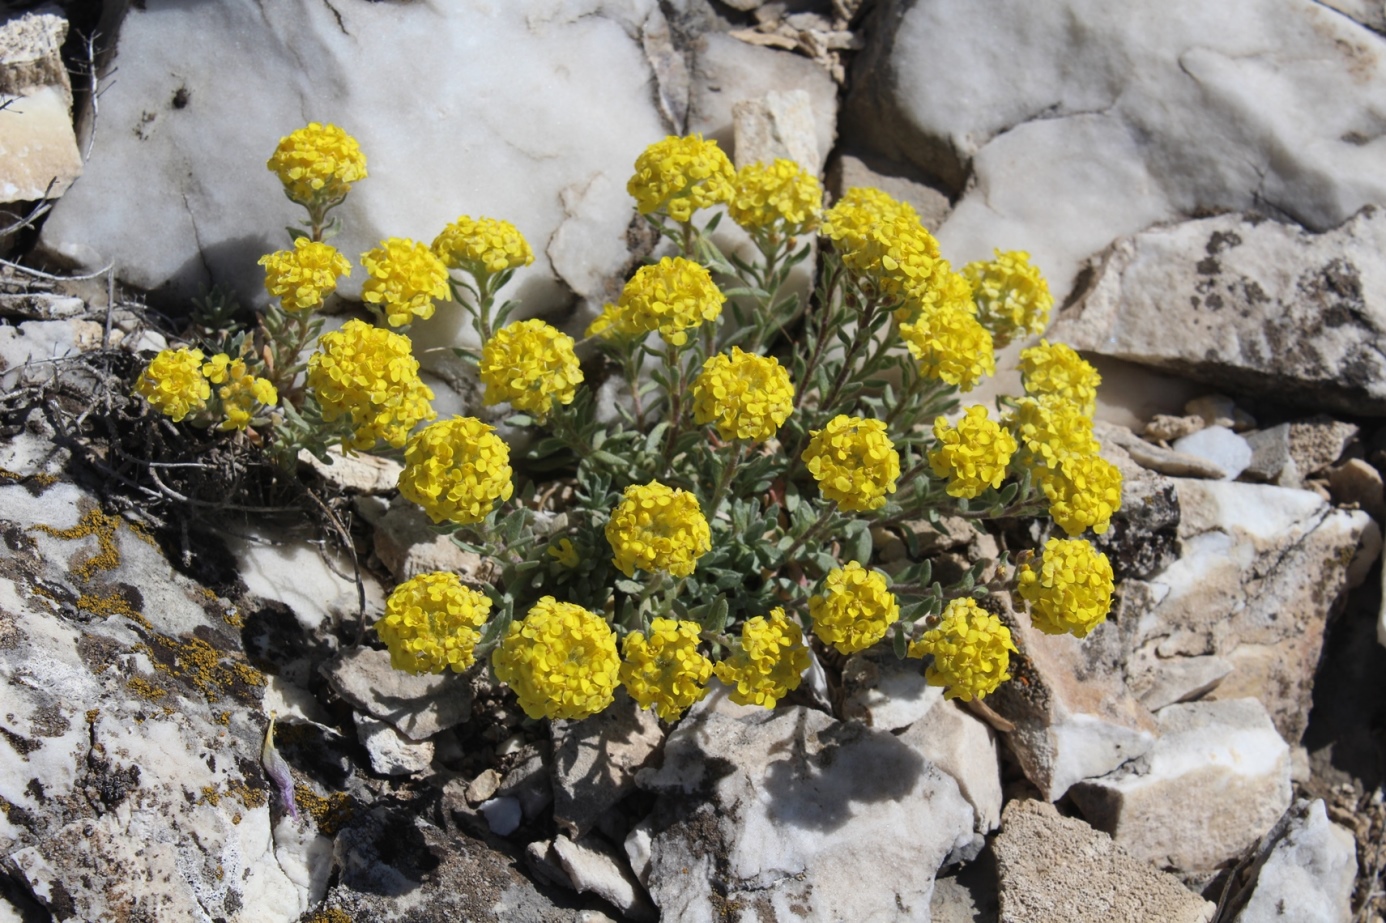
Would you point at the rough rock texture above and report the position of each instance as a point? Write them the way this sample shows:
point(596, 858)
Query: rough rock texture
point(595, 761)
point(596, 867)
point(38, 149)
point(1059, 868)
point(1305, 872)
point(419, 706)
point(1126, 115)
point(886, 692)
point(1144, 532)
point(785, 814)
point(1258, 572)
point(965, 748)
point(132, 784)
point(1247, 304)
point(1074, 716)
point(1217, 779)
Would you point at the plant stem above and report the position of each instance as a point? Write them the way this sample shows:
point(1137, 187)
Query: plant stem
point(728, 470)
point(808, 533)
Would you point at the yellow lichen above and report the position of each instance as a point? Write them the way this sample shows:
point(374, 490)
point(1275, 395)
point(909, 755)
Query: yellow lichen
point(145, 689)
point(93, 522)
point(330, 813)
point(112, 604)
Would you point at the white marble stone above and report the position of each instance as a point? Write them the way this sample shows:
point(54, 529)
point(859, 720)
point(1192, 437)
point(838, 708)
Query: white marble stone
point(1219, 445)
point(1308, 873)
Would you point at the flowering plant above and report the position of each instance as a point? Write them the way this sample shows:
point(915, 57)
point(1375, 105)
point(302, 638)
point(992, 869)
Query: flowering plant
point(724, 517)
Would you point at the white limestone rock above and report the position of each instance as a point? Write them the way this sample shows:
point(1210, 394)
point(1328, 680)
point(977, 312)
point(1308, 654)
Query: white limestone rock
point(1306, 872)
point(317, 586)
point(418, 706)
point(390, 752)
point(1258, 570)
point(466, 108)
point(965, 748)
point(1217, 779)
point(1219, 445)
point(1077, 122)
point(39, 158)
point(593, 866)
point(595, 761)
point(1248, 304)
point(1059, 868)
point(791, 811)
point(885, 692)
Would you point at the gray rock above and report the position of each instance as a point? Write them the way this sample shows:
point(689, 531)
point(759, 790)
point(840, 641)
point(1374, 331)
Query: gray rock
point(39, 158)
point(1259, 569)
point(503, 814)
point(1159, 459)
point(530, 783)
point(594, 866)
point(1318, 443)
point(1305, 871)
point(885, 692)
point(1074, 717)
point(1357, 483)
point(595, 761)
point(1142, 538)
point(894, 179)
point(1270, 458)
point(1059, 868)
point(418, 706)
point(408, 544)
point(1217, 779)
point(1247, 304)
point(790, 811)
point(358, 473)
point(778, 125)
point(1219, 445)
point(965, 748)
point(1220, 410)
point(1166, 428)
point(1178, 679)
point(390, 752)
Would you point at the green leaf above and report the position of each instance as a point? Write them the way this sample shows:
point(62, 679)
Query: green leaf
point(898, 642)
point(632, 587)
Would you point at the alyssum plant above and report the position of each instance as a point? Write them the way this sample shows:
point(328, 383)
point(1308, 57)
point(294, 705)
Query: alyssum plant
point(728, 503)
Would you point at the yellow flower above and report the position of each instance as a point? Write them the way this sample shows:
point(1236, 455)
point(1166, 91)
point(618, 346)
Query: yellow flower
point(610, 324)
point(769, 663)
point(531, 365)
point(405, 277)
point(950, 345)
point(317, 164)
point(855, 609)
point(368, 374)
point(456, 470)
point(564, 553)
point(1071, 592)
point(882, 239)
point(174, 384)
point(854, 462)
point(943, 289)
point(432, 623)
point(561, 661)
point(1053, 368)
point(1084, 491)
point(656, 528)
point(680, 176)
point(240, 391)
point(672, 296)
point(302, 277)
point(971, 650)
point(1012, 296)
point(1050, 428)
point(482, 246)
point(782, 196)
point(747, 396)
point(973, 455)
point(665, 671)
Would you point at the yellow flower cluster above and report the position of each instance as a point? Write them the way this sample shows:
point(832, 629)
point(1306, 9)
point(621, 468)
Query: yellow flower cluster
point(854, 610)
point(456, 470)
point(665, 670)
point(680, 176)
point(950, 345)
point(405, 277)
point(656, 527)
point(971, 651)
point(1012, 296)
point(240, 392)
point(174, 384)
point(317, 164)
point(672, 296)
point(782, 197)
point(944, 290)
point(748, 396)
point(973, 455)
point(769, 663)
point(561, 661)
point(432, 623)
point(1053, 368)
point(1050, 428)
point(482, 246)
point(854, 462)
point(565, 553)
point(532, 365)
point(1084, 491)
point(302, 277)
point(368, 374)
point(1071, 592)
point(882, 239)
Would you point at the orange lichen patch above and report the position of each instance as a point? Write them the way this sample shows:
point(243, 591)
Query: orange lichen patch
point(330, 813)
point(41, 479)
point(145, 689)
point(112, 604)
point(223, 718)
point(233, 618)
point(330, 915)
point(252, 798)
point(200, 665)
point(93, 522)
point(210, 795)
point(141, 533)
